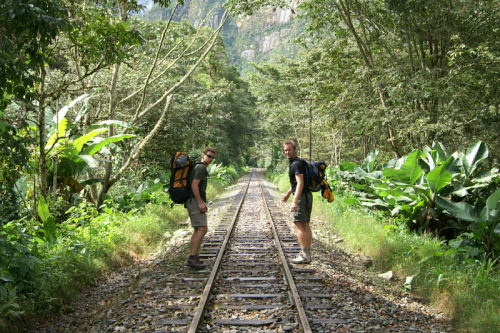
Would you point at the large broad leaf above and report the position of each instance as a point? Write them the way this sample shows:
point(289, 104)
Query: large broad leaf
point(438, 178)
point(49, 228)
point(400, 162)
point(374, 203)
point(62, 113)
point(83, 111)
point(397, 175)
point(360, 186)
point(441, 150)
point(369, 162)
point(476, 153)
point(73, 183)
point(411, 167)
point(86, 138)
point(72, 166)
point(460, 210)
point(456, 166)
point(485, 176)
point(91, 162)
point(43, 209)
point(391, 164)
point(91, 182)
point(490, 215)
point(430, 159)
point(425, 166)
point(92, 149)
point(347, 166)
point(60, 132)
point(493, 200)
point(403, 195)
point(110, 123)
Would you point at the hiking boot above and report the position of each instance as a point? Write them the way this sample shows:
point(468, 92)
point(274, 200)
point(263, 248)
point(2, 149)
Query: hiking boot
point(194, 262)
point(301, 259)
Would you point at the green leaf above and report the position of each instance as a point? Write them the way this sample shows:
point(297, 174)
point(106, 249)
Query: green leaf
point(91, 182)
point(476, 153)
point(453, 165)
point(86, 138)
point(43, 209)
point(396, 174)
point(92, 149)
point(493, 200)
point(460, 210)
point(441, 150)
point(61, 131)
point(62, 113)
point(351, 201)
point(112, 122)
point(455, 244)
point(49, 227)
point(430, 161)
point(438, 179)
point(347, 166)
point(369, 162)
point(411, 167)
point(91, 162)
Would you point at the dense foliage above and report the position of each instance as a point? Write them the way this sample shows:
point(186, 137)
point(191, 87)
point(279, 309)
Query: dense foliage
point(94, 100)
point(388, 75)
point(433, 190)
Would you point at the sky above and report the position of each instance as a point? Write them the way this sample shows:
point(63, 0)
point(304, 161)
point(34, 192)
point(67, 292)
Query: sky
point(147, 3)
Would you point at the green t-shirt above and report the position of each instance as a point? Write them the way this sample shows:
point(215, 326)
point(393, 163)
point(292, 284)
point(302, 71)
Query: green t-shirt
point(200, 172)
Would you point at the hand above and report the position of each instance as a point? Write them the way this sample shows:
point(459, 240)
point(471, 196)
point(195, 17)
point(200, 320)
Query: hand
point(202, 207)
point(285, 197)
point(295, 207)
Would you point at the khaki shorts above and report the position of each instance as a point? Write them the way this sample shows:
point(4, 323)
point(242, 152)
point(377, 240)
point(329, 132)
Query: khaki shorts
point(303, 213)
point(198, 219)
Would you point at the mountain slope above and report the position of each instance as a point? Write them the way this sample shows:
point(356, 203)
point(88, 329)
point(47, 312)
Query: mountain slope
point(264, 36)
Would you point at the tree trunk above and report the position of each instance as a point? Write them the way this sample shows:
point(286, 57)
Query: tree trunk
point(109, 165)
point(42, 157)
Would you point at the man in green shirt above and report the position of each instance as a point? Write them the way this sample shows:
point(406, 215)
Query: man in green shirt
point(197, 207)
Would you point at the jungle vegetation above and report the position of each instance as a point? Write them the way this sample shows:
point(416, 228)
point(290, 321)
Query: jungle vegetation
point(399, 97)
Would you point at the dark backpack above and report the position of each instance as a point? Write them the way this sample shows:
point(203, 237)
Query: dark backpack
point(315, 173)
point(179, 187)
point(315, 178)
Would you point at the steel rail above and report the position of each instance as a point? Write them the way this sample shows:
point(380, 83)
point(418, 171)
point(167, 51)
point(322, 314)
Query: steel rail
point(293, 288)
point(195, 322)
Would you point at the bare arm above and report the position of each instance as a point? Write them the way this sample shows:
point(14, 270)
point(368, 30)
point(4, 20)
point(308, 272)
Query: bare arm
point(287, 195)
point(196, 192)
point(298, 191)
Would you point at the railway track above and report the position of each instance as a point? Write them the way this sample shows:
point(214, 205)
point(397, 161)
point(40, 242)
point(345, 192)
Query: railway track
point(249, 283)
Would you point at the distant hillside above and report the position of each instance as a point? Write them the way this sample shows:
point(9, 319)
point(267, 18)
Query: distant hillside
point(263, 36)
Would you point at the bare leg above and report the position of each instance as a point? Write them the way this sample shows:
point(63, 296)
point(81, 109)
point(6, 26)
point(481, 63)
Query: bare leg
point(197, 238)
point(304, 234)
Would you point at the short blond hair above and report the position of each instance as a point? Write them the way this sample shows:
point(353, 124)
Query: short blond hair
point(290, 142)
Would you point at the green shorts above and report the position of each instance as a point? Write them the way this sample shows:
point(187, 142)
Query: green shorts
point(303, 213)
point(198, 219)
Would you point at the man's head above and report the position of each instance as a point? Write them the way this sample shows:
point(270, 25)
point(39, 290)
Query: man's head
point(290, 149)
point(208, 155)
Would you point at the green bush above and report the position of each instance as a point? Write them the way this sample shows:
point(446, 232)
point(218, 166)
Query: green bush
point(463, 287)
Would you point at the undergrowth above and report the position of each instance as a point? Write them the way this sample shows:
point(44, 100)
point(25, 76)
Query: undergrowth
point(464, 289)
point(39, 278)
